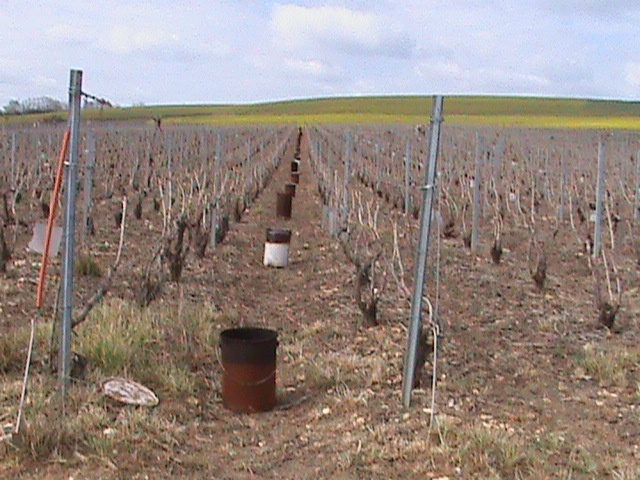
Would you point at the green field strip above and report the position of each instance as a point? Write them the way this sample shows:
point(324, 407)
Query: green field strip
point(529, 112)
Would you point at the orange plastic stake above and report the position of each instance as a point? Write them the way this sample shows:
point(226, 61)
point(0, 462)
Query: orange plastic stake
point(52, 216)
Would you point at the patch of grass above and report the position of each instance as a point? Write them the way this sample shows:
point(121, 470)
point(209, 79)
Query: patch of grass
point(162, 348)
point(258, 209)
point(583, 462)
point(547, 444)
point(471, 450)
point(86, 266)
point(626, 473)
point(87, 425)
point(548, 323)
point(609, 364)
point(13, 347)
point(361, 459)
point(319, 378)
point(45, 431)
point(192, 333)
point(493, 451)
point(117, 339)
point(14, 342)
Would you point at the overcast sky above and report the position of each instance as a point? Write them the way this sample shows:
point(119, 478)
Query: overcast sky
point(190, 51)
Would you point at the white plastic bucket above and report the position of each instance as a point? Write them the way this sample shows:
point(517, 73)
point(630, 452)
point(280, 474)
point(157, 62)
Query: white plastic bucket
point(276, 248)
point(276, 254)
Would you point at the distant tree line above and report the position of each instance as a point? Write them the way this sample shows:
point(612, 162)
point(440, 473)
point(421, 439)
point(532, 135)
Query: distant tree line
point(48, 105)
point(33, 105)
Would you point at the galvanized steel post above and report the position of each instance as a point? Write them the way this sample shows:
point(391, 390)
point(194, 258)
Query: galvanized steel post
point(330, 164)
point(477, 193)
point(415, 325)
point(563, 191)
point(347, 168)
point(88, 184)
point(14, 141)
point(636, 210)
point(217, 175)
point(498, 162)
point(75, 98)
point(597, 232)
point(407, 177)
point(378, 167)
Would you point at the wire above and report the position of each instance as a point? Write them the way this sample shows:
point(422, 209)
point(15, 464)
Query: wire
point(435, 319)
point(436, 312)
point(101, 101)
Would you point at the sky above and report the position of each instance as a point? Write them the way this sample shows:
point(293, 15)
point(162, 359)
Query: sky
point(239, 51)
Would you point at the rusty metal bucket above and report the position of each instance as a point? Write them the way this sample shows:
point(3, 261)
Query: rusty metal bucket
point(248, 359)
point(283, 205)
point(290, 189)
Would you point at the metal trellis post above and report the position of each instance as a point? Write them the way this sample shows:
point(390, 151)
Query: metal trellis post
point(215, 210)
point(14, 141)
point(75, 98)
point(347, 169)
point(378, 167)
point(563, 190)
point(407, 178)
point(88, 185)
point(597, 232)
point(636, 210)
point(477, 192)
point(415, 326)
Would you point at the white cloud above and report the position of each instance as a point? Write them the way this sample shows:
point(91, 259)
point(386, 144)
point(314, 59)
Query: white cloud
point(363, 87)
point(592, 8)
point(307, 67)
point(67, 32)
point(337, 30)
point(450, 77)
point(158, 42)
point(128, 39)
point(313, 68)
point(43, 81)
point(632, 76)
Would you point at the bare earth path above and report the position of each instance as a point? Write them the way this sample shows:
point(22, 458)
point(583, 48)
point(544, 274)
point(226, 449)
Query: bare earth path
point(310, 304)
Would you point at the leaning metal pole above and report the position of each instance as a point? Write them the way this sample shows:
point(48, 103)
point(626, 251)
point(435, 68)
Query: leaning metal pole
point(415, 325)
point(75, 97)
